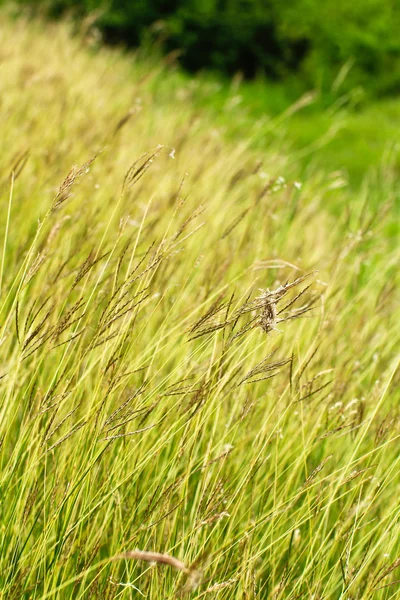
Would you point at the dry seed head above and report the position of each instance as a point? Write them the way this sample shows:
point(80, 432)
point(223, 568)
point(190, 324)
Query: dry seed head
point(153, 557)
point(267, 304)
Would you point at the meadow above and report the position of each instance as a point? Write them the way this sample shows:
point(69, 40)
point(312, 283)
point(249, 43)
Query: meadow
point(199, 336)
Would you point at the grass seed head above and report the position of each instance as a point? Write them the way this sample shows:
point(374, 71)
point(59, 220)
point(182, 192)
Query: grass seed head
point(267, 307)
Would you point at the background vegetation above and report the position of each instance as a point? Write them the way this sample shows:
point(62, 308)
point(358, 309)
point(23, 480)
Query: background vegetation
point(340, 58)
point(199, 332)
point(308, 39)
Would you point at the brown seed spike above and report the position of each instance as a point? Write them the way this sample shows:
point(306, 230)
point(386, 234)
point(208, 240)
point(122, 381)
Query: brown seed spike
point(268, 302)
point(154, 557)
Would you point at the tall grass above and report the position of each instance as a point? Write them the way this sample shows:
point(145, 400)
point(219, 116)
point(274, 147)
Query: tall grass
point(198, 351)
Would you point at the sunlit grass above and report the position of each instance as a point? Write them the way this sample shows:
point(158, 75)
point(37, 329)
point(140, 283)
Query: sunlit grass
point(164, 386)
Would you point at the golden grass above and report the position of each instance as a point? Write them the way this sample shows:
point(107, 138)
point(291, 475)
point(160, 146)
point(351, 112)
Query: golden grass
point(151, 396)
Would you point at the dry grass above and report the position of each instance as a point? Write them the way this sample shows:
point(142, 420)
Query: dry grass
point(152, 396)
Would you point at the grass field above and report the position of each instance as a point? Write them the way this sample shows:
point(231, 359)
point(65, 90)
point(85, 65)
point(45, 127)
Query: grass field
point(199, 340)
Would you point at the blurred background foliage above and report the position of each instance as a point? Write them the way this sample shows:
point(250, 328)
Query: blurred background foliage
point(311, 42)
point(323, 74)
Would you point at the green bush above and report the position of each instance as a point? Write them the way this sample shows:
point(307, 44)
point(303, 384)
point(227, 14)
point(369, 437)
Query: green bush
point(309, 37)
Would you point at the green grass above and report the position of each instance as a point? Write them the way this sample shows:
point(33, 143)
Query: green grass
point(346, 132)
point(152, 397)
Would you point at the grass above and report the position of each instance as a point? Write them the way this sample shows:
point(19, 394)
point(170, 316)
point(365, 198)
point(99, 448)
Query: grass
point(348, 132)
point(199, 384)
